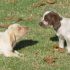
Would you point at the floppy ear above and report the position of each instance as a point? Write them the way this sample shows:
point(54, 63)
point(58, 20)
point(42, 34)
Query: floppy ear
point(12, 38)
point(55, 20)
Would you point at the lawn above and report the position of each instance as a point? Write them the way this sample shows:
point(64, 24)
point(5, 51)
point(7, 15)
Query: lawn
point(38, 43)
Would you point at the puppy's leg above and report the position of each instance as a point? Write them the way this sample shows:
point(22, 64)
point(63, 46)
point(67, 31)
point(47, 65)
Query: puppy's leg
point(11, 54)
point(68, 49)
point(61, 42)
point(68, 46)
point(67, 38)
point(18, 53)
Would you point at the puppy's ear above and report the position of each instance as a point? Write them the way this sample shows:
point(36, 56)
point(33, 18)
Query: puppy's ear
point(10, 27)
point(12, 38)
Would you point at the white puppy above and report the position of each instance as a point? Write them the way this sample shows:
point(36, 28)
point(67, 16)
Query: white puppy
point(9, 38)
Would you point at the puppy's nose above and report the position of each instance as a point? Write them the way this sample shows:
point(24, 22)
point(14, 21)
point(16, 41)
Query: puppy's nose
point(27, 28)
point(41, 23)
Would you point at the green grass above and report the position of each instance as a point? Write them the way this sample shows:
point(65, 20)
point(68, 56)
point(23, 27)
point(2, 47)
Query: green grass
point(37, 43)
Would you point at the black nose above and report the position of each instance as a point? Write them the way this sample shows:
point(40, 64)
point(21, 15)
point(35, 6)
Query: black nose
point(41, 23)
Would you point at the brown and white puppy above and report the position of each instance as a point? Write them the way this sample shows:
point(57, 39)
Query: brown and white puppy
point(51, 18)
point(60, 24)
point(9, 38)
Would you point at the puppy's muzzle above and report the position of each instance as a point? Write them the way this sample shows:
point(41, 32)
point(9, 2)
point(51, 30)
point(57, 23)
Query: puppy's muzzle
point(41, 23)
point(26, 28)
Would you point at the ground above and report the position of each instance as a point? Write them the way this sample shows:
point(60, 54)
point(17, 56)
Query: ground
point(38, 43)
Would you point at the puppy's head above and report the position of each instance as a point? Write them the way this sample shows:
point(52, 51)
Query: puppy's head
point(50, 18)
point(17, 30)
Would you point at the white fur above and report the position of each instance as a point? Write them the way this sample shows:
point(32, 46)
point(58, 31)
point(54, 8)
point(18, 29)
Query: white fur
point(42, 20)
point(63, 32)
point(9, 38)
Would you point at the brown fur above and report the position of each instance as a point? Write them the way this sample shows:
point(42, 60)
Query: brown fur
point(53, 19)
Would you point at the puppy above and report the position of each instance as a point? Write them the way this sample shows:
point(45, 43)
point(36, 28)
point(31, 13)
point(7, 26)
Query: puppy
point(9, 38)
point(60, 24)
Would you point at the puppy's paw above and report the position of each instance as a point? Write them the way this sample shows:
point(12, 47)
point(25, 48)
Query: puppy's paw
point(11, 54)
point(68, 50)
point(20, 54)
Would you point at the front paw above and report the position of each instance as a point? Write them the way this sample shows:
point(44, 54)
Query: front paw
point(68, 50)
point(20, 54)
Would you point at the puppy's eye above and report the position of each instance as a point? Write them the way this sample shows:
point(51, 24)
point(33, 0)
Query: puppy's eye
point(45, 19)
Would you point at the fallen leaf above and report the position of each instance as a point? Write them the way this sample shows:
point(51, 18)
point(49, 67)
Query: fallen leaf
point(49, 59)
point(57, 48)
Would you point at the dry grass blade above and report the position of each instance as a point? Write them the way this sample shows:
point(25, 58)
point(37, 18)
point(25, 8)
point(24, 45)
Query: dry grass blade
point(9, 18)
point(4, 25)
point(11, 1)
point(18, 19)
point(13, 18)
point(42, 3)
point(50, 1)
point(30, 18)
point(38, 4)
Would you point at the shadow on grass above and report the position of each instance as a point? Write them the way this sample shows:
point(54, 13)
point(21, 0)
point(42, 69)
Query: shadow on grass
point(55, 38)
point(24, 43)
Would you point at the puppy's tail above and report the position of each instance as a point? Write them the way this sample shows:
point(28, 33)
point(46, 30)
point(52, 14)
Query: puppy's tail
point(4, 25)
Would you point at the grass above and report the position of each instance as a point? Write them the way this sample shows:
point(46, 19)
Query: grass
point(38, 42)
